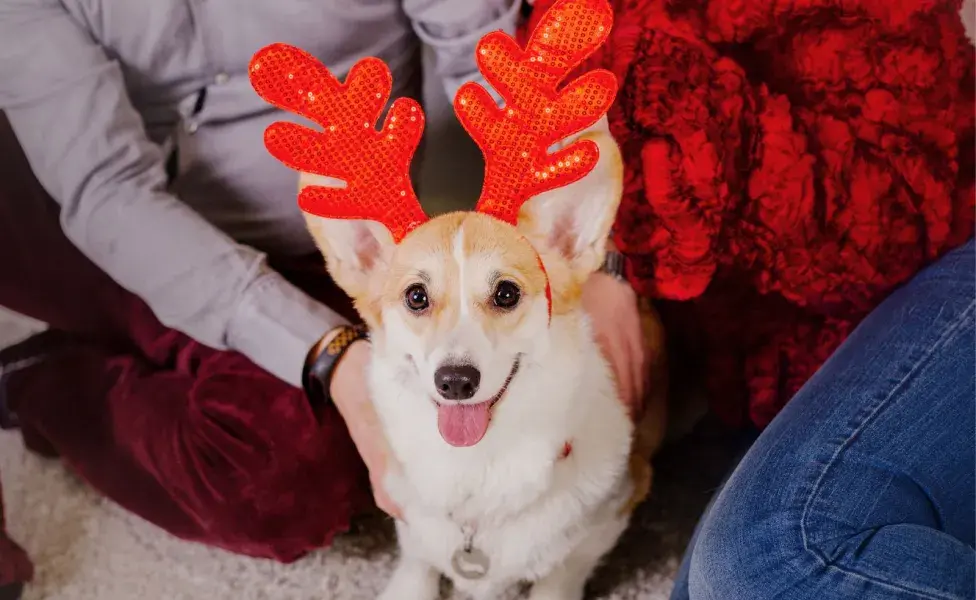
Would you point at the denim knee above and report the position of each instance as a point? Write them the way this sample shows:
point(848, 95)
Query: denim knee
point(862, 486)
point(776, 557)
point(733, 558)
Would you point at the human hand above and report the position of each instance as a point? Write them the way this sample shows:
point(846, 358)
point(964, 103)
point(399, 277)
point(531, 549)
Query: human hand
point(612, 306)
point(351, 397)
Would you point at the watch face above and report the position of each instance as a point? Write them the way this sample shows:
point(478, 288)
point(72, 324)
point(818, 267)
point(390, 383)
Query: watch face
point(613, 264)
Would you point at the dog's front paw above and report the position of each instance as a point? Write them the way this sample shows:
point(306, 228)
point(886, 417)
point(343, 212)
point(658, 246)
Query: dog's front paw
point(411, 580)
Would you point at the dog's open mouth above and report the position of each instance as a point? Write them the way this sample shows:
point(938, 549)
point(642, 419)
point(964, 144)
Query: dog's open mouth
point(464, 425)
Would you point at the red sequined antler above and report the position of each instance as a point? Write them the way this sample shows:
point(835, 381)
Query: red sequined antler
point(516, 138)
point(375, 165)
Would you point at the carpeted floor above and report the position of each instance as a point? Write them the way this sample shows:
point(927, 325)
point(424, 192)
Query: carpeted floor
point(86, 548)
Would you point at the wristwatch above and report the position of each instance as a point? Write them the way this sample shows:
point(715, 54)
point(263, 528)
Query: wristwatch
point(318, 370)
point(615, 264)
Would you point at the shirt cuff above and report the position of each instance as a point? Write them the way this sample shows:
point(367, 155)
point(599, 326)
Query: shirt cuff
point(276, 324)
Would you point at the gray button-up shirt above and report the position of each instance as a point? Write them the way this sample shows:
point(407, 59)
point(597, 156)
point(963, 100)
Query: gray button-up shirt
point(109, 96)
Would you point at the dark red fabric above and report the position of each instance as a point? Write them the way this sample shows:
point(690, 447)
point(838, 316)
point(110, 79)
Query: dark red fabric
point(787, 165)
point(199, 442)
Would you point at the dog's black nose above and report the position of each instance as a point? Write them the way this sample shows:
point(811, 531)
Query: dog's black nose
point(457, 382)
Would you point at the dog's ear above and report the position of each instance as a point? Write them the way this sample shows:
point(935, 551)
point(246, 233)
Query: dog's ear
point(354, 250)
point(574, 221)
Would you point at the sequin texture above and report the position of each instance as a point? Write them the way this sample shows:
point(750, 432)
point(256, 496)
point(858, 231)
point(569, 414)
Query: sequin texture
point(375, 165)
point(515, 138)
point(538, 113)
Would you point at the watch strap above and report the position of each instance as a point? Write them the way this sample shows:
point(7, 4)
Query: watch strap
point(615, 264)
point(319, 370)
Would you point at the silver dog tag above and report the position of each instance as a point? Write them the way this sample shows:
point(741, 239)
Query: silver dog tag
point(471, 563)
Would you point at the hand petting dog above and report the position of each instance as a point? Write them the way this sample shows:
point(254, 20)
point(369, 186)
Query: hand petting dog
point(612, 307)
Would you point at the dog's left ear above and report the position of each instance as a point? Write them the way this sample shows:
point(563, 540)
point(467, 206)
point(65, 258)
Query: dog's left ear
point(574, 221)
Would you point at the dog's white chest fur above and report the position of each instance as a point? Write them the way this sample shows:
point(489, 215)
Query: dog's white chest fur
point(531, 511)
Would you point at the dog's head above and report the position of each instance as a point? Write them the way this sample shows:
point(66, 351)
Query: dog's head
point(463, 299)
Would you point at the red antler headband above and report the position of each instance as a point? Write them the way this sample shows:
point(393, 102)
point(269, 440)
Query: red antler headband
point(515, 139)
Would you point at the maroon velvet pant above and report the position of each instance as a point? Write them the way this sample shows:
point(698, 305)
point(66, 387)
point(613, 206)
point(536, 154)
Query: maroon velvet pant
point(199, 442)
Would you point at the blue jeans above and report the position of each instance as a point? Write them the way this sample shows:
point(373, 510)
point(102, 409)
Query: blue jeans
point(864, 486)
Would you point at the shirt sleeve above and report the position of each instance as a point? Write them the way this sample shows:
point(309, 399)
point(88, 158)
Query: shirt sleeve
point(67, 103)
point(452, 29)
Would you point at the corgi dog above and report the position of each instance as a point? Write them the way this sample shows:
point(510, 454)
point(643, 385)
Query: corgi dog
point(510, 438)
point(515, 458)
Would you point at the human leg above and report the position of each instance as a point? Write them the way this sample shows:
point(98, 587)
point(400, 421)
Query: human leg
point(213, 450)
point(863, 487)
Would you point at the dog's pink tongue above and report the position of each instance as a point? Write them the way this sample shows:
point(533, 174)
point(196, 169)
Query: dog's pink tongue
point(463, 424)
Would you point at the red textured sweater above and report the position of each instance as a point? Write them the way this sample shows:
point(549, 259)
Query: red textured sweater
point(788, 165)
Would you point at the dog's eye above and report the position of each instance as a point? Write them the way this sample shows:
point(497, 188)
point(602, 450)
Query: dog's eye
point(507, 295)
point(416, 298)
